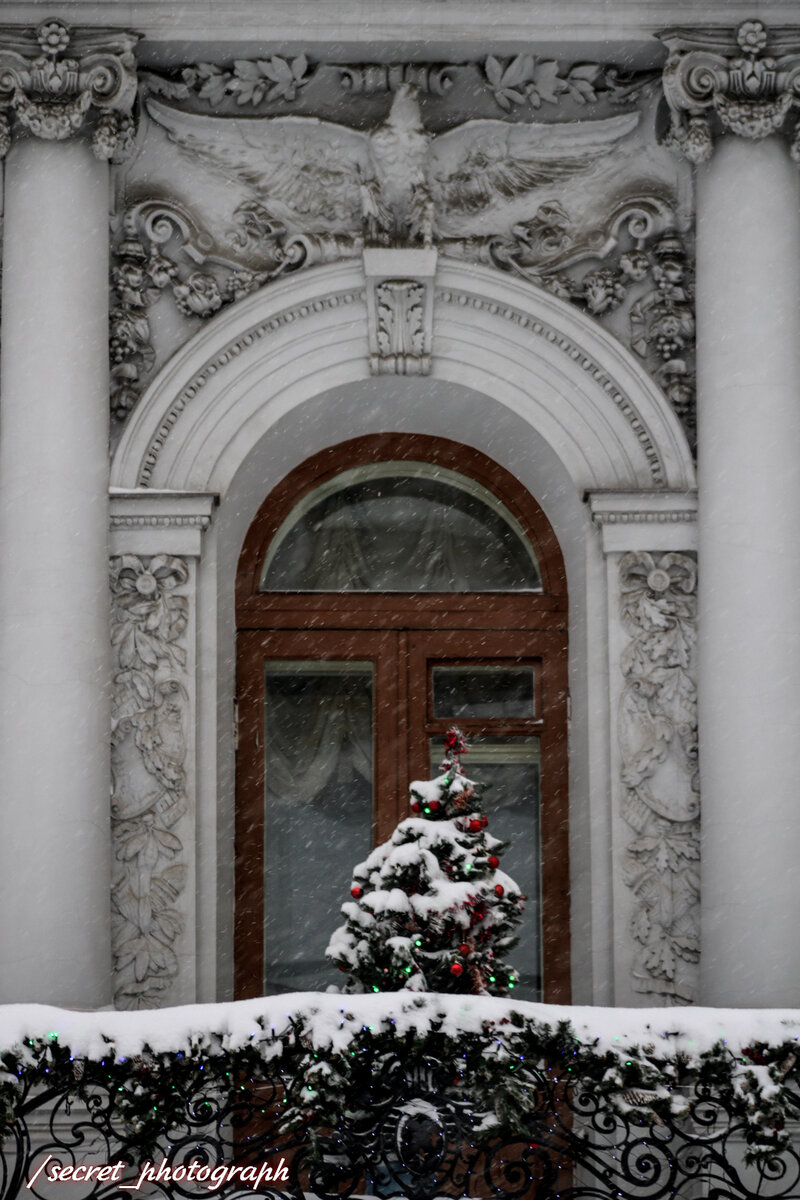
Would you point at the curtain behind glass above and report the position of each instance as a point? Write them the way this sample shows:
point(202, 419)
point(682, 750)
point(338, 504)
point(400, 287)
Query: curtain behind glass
point(318, 819)
point(402, 534)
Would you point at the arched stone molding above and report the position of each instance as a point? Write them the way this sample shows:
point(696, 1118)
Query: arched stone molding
point(516, 373)
point(533, 353)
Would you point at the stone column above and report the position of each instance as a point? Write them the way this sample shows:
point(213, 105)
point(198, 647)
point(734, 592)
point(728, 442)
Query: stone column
point(54, 623)
point(748, 355)
point(748, 313)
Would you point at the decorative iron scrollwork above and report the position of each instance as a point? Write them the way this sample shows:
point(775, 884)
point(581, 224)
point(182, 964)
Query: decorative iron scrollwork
point(420, 1134)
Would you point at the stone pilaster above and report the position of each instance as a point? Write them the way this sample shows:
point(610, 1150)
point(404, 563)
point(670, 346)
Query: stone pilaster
point(649, 542)
point(744, 81)
point(55, 83)
point(156, 541)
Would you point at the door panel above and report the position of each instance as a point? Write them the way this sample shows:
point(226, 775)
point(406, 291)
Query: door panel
point(318, 755)
point(297, 692)
point(317, 783)
point(507, 691)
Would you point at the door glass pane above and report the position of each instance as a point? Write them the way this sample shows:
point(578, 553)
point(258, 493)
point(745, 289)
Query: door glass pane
point(511, 765)
point(318, 820)
point(400, 527)
point(478, 691)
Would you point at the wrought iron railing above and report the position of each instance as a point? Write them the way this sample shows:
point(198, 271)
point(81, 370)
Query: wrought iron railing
point(418, 1131)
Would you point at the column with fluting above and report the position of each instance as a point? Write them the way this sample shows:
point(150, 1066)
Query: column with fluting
point(54, 605)
point(748, 354)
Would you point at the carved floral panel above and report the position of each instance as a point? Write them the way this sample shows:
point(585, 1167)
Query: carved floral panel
point(657, 735)
point(148, 754)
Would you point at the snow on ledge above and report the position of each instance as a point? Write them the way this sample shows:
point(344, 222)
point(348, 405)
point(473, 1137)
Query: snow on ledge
point(331, 1019)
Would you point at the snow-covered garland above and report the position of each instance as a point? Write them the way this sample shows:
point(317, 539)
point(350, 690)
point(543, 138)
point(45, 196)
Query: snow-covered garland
point(643, 1063)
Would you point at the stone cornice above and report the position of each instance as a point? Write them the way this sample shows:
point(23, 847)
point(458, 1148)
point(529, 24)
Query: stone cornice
point(147, 521)
point(52, 79)
point(747, 78)
point(357, 24)
point(647, 520)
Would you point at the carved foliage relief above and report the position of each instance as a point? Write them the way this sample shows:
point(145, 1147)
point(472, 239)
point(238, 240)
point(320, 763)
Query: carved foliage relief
point(400, 331)
point(148, 755)
point(657, 732)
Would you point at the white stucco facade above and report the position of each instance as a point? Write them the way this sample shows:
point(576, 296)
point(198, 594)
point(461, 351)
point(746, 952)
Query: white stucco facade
point(550, 327)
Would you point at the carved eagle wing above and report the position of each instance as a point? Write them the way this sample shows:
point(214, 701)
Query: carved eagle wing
point(301, 169)
point(484, 162)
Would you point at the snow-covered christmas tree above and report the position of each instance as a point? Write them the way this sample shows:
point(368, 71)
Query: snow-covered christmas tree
point(430, 909)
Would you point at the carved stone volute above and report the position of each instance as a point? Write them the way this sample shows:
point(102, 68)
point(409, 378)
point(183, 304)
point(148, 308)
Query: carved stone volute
point(727, 74)
point(54, 79)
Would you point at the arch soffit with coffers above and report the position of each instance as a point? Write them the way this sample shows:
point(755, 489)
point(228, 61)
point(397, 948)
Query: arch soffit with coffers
point(533, 353)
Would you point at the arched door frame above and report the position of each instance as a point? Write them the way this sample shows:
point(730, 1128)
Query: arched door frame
point(403, 633)
point(518, 373)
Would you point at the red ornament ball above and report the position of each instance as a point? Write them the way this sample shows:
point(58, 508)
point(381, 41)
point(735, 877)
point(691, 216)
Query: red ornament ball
point(456, 969)
point(356, 893)
point(499, 890)
point(475, 825)
point(434, 806)
point(454, 742)
point(416, 806)
point(463, 950)
point(494, 861)
point(485, 821)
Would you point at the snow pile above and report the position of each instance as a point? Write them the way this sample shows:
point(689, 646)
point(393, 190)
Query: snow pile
point(96, 1035)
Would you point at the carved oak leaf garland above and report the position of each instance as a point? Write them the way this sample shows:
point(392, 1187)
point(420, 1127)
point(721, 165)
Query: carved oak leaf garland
point(248, 81)
point(537, 81)
point(148, 751)
point(658, 743)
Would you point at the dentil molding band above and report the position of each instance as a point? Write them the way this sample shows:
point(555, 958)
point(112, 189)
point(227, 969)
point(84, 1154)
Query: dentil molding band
point(232, 350)
point(445, 296)
point(576, 353)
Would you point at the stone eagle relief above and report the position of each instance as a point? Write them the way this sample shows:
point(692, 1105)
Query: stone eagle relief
point(214, 207)
point(397, 184)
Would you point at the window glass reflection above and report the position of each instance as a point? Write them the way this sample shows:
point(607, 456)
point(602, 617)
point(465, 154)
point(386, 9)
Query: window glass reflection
point(401, 532)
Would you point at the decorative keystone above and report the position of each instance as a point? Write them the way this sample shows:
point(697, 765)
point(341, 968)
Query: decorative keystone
point(400, 309)
point(53, 80)
point(712, 72)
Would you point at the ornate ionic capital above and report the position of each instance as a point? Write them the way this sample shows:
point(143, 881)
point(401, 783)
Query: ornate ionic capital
point(727, 74)
point(53, 80)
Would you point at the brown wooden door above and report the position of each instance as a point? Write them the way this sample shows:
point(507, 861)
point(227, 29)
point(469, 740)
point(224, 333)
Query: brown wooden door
point(258, 651)
point(394, 652)
point(411, 672)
